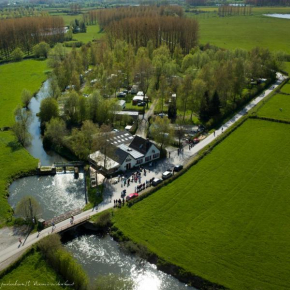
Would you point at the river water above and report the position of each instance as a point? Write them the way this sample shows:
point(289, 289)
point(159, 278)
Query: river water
point(102, 255)
point(284, 16)
point(61, 193)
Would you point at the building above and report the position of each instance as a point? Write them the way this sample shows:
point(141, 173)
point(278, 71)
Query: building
point(125, 156)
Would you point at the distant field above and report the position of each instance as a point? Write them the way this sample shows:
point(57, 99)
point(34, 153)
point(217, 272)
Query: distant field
point(13, 161)
point(14, 77)
point(246, 31)
point(34, 269)
point(226, 219)
point(286, 88)
point(278, 107)
point(91, 34)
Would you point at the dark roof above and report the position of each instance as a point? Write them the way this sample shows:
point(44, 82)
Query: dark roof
point(140, 144)
point(117, 154)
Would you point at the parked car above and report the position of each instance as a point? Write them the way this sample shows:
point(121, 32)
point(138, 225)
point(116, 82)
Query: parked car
point(178, 168)
point(156, 181)
point(195, 141)
point(121, 95)
point(166, 174)
point(131, 196)
point(141, 104)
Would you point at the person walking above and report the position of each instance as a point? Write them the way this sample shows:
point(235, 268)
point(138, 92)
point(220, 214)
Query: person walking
point(214, 133)
point(20, 241)
point(222, 129)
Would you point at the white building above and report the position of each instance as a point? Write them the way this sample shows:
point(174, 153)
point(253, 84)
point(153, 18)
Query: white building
point(140, 151)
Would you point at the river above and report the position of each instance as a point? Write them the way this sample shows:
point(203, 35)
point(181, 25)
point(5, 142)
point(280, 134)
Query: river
point(283, 16)
point(61, 193)
point(102, 255)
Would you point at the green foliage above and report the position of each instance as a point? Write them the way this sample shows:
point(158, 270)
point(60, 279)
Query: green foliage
point(286, 89)
point(62, 262)
point(56, 131)
point(15, 77)
point(41, 49)
point(32, 267)
point(112, 282)
point(230, 209)
point(26, 97)
point(20, 128)
point(104, 220)
point(28, 208)
point(17, 54)
point(48, 109)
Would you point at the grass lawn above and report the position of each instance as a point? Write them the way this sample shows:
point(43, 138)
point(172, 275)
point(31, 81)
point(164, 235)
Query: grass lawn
point(272, 108)
point(93, 32)
point(227, 218)
point(246, 31)
point(13, 161)
point(287, 67)
point(14, 77)
point(34, 269)
point(286, 88)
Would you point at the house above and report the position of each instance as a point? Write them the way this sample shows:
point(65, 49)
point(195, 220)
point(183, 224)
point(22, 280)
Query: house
point(125, 156)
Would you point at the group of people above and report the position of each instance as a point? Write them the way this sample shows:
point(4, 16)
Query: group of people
point(119, 202)
point(135, 177)
point(142, 186)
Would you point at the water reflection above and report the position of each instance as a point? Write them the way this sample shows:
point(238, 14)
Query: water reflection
point(36, 148)
point(56, 194)
point(102, 256)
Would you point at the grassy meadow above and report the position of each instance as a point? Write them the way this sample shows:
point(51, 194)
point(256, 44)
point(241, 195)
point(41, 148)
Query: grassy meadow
point(14, 77)
point(245, 31)
point(286, 88)
point(226, 219)
point(33, 268)
point(93, 32)
point(14, 160)
point(278, 107)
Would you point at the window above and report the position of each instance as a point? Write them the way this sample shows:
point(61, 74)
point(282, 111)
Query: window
point(148, 158)
point(139, 161)
point(156, 155)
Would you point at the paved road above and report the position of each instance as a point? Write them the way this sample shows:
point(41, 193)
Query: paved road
point(143, 122)
point(113, 191)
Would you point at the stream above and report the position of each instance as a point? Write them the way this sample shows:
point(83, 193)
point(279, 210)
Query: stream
point(62, 193)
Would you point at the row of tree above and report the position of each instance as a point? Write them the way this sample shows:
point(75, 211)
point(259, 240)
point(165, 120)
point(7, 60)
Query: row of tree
point(29, 31)
point(168, 30)
point(105, 17)
point(229, 10)
point(269, 2)
point(21, 12)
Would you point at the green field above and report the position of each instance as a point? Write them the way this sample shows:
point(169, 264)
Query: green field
point(278, 107)
point(34, 269)
point(93, 32)
point(226, 219)
point(246, 31)
point(286, 88)
point(14, 77)
point(14, 160)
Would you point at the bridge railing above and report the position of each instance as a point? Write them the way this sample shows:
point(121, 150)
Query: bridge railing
point(70, 225)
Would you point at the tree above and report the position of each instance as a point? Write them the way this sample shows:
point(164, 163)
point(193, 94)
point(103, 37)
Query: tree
point(41, 49)
point(198, 90)
point(17, 54)
point(28, 208)
point(20, 128)
point(26, 97)
point(55, 131)
point(48, 109)
point(161, 131)
point(185, 92)
point(113, 282)
point(84, 141)
point(71, 107)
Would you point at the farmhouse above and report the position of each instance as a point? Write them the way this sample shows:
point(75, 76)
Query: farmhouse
point(124, 156)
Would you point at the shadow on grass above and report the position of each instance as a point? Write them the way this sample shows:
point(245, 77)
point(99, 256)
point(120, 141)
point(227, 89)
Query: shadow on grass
point(14, 145)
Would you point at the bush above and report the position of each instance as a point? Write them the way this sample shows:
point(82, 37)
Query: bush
point(17, 54)
point(104, 221)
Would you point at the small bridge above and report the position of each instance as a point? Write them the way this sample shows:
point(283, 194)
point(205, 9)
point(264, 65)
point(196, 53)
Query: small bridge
point(71, 225)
